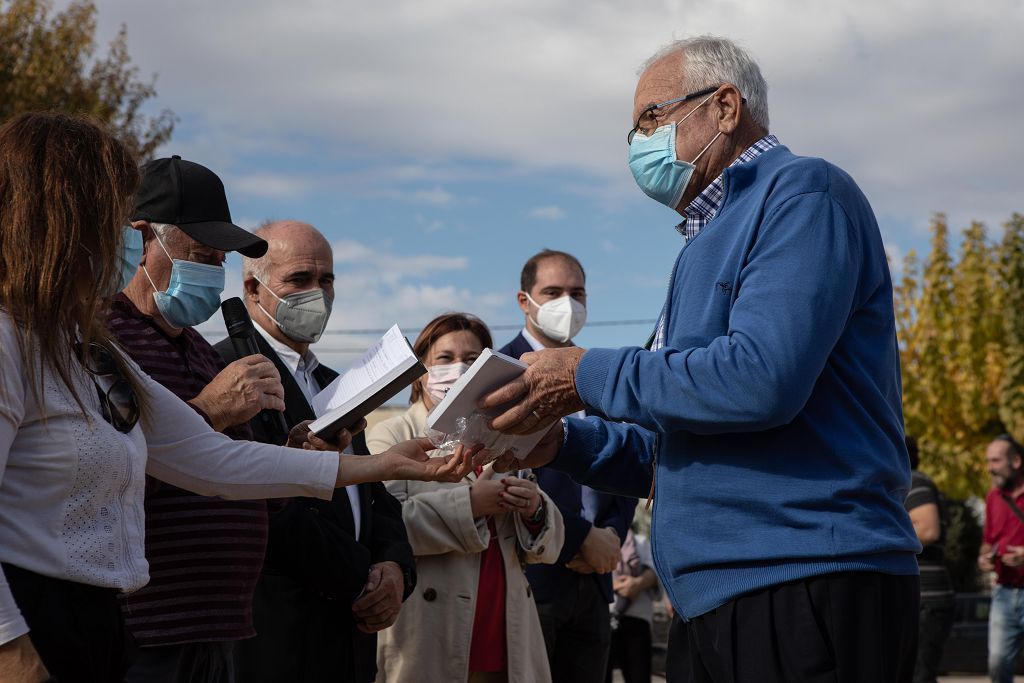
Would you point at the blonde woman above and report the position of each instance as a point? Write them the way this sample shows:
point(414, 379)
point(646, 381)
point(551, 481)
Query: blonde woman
point(472, 615)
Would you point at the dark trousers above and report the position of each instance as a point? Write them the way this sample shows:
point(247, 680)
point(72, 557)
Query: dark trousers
point(934, 625)
point(577, 632)
point(850, 627)
point(631, 651)
point(211, 662)
point(76, 629)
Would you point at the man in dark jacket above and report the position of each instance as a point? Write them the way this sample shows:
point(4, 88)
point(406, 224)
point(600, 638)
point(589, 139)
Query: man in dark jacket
point(336, 572)
point(572, 594)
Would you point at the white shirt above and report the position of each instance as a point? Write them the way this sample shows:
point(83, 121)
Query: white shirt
point(302, 368)
point(72, 487)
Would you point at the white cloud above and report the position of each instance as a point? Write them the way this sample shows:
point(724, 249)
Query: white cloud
point(275, 185)
point(436, 196)
point(895, 256)
point(609, 246)
point(916, 102)
point(547, 213)
point(384, 266)
point(376, 288)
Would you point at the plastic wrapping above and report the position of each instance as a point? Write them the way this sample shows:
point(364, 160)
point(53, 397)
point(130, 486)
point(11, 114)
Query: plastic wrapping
point(473, 430)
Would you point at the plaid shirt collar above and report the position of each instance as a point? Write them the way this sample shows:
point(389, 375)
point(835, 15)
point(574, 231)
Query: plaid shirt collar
point(703, 208)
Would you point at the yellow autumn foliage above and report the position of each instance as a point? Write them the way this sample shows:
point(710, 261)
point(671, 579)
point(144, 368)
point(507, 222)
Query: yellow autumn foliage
point(960, 325)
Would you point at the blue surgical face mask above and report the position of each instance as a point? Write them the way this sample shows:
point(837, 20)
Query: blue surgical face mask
point(193, 293)
point(127, 260)
point(130, 256)
point(652, 159)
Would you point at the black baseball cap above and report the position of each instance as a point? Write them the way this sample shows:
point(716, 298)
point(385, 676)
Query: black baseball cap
point(191, 197)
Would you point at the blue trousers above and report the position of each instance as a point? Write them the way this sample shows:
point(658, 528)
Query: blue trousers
point(1005, 632)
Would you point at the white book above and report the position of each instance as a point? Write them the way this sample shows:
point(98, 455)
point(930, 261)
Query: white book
point(490, 371)
point(385, 369)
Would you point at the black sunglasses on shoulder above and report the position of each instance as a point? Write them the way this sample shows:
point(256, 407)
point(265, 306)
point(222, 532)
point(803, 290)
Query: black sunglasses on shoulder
point(118, 402)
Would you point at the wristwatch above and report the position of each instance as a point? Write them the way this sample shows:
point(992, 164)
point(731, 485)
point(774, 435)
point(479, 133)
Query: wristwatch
point(408, 581)
point(538, 516)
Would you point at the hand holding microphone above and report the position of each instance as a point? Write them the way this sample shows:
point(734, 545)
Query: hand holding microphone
point(252, 381)
point(240, 391)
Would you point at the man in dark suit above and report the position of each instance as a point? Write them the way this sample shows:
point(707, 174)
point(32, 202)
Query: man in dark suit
point(573, 594)
point(336, 572)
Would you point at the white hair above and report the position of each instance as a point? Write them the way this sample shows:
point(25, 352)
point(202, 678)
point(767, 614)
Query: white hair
point(258, 268)
point(162, 229)
point(710, 61)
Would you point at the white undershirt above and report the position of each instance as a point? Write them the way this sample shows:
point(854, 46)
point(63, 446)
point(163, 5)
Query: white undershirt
point(302, 368)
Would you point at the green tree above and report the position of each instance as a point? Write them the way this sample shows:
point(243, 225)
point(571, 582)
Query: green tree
point(976, 363)
point(1011, 311)
point(46, 62)
point(960, 326)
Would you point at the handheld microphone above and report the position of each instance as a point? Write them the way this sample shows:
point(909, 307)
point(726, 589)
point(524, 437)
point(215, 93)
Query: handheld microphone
point(243, 339)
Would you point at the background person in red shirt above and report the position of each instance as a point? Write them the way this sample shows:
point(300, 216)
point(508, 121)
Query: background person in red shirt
point(1003, 552)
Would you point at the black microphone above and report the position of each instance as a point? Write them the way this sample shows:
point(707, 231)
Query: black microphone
point(243, 338)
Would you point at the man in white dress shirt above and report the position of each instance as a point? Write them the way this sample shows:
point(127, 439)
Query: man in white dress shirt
point(321, 556)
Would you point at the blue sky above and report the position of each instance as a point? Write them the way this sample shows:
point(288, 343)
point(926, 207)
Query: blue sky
point(439, 143)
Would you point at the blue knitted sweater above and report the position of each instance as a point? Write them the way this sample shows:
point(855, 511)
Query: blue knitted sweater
point(773, 414)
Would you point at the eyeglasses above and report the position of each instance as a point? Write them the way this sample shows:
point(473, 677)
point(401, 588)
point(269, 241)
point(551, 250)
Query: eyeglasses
point(654, 107)
point(118, 402)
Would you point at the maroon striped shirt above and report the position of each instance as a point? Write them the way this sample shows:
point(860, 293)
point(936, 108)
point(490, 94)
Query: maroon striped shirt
point(204, 554)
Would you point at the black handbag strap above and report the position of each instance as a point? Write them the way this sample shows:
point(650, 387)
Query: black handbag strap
point(1013, 505)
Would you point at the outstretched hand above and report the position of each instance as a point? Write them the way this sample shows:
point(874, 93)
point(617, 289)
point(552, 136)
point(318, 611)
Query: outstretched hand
point(541, 395)
point(411, 460)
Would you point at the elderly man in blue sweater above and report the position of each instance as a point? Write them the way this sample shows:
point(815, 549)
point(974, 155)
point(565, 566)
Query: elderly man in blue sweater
point(764, 418)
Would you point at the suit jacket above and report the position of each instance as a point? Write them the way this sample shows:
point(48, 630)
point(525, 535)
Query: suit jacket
point(315, 568)
point(549, 580)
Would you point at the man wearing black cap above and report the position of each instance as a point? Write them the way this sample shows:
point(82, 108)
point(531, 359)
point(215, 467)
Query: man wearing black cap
point(205, 554)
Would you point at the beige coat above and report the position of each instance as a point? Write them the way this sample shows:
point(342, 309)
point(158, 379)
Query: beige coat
point(431, 639)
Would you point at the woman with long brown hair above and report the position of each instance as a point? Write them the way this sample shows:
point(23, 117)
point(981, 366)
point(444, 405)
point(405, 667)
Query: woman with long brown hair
point(80, 425)
point(472, 617)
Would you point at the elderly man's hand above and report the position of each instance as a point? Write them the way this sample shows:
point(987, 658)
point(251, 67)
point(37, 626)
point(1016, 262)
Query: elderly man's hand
point(301, 437)
point(377, 608)
point(240, 391)
point(542, 454)
point(541, 395)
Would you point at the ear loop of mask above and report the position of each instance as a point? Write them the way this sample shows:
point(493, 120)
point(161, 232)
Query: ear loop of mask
point(533, 318)
point(166, 253)
point(707, 146)
point(279, 299)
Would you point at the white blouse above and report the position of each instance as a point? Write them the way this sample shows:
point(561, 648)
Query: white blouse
point(72, 488)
